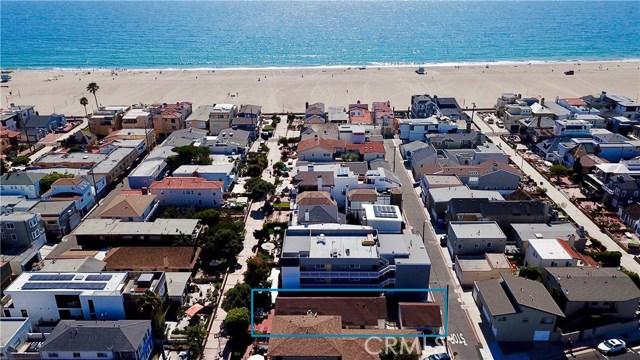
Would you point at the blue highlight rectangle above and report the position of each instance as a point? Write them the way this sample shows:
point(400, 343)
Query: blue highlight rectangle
point(445, 320)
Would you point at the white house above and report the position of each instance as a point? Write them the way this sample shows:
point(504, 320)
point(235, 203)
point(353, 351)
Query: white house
point(387, 219)
point(382, 179)
point(188, 191)
point(416, 129)
point(352, 134)
point(544, 253)
point(572, 128)
point(215, 172)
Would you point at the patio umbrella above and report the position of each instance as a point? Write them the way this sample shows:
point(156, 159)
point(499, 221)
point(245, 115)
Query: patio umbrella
point(194, 310)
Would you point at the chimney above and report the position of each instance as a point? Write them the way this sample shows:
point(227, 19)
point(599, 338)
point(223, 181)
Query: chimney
point(494, 167)
point(165, 261)
point(306, 216)
point(572, 240)
point(310, 168)
point(319, 182)
point(542, 101)
point(145, 190)
point(468, 126)
point(306, 106)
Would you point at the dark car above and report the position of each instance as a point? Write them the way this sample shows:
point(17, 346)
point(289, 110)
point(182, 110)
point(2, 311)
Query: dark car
point(569, 72)
point(441, 356)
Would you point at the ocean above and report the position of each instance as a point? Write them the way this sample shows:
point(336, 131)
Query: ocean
point(240, 34)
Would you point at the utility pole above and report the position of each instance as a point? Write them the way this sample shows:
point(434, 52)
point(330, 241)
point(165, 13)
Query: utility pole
point(424, 227)
point(394, 158)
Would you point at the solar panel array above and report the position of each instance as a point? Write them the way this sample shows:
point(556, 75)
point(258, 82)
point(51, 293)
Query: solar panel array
point(61, 285)
point(98, 278)
point(385, 211)
point(46, 277)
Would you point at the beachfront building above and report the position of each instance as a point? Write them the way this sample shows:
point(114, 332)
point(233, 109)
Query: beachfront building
point(315, 110)
point(39, 126)
point(138, 117)
point(220, 117)
point(621, 105)
point(572, 128)
point(188, 191)
point(337, 115)
point(359, 114)
point(424, 106)
point(168, 118)
point(16, 116)
point(577, 106)
point(351, 256)
point(200, 117)
point(107, 119)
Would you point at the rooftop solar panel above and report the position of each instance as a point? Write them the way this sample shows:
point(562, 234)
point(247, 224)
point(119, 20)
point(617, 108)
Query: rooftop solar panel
point(46, 277)
point(98, 278)
point(60, 285)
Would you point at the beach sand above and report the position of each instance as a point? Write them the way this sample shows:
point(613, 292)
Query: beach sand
point(283, 90)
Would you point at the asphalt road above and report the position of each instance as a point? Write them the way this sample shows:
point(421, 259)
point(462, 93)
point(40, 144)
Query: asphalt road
point(464, 341)
point(595, 355)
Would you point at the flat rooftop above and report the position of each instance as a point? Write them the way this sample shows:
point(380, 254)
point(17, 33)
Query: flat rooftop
point(116, 227)
point(9, 327)
point(487, 262)
point(476, 230)
point(325, 239)
point(544, 231)
point(549, 249)
point(84, 282)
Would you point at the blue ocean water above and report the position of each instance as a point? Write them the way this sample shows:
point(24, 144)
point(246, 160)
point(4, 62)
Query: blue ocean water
point(213, 34)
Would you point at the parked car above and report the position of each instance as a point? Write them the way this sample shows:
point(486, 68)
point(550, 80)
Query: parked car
point(490, 120)
point(441, 356)
point(569, 72)
point(612, 346)
point(500, 124)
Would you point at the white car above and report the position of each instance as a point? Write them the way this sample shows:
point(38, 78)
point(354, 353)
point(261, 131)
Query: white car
point(612, 346)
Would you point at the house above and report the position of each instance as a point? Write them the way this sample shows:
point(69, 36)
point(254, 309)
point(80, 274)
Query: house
point(200, 119)
point(82, 139)
point(622, 105)
point(489, 175)
point(39, 126)
point(227, 142)
point(178, 284)
point(16, 116)
point(352, 134)
point(319, 149)
point(324, 130)
point(517, 309)
point(359, 197)
point(587, 162)
point(382, 179)
point(9, 140)
point(355, 312)
point(586, 291)
point(219, 171)
point(383, 116)
point(423, 160)
point(168, 118)
point(337, 115)
point(466, 140)
point(522, 232)
point(596, 121)
point(367, 151)
point(630, 215)
point(407, 149)
point(504, 213)
point(124, 339)
point(577, 106)
point(59, 217)
point(48, 297)
point(621, 190)
point(250, 111)
point(425, 317)
point(572, 128)
point(148, 135)
point(359, 114)
point(314, 119)
point(99, 182)
point(249, 124)
point(220, 117)
point(438, 199)
point(188, 191)
point(623, 125)
point(321, 256)
point(437, 181)
point(101, 233)
point(386, 219)
point(537, 129)
point(87, 264)
point(515, 112)
point(21, 183)
point(315, 207)
point(424, 106)
point(418, 128)
point(15, 333)
point(544, 253)
point(78, 189)
point(138, 117)
point(315, 109)
point(475, 238)
point(131, 207)
point(20, 230)
point(152, 258)
point(470, 269)
point(107, 119)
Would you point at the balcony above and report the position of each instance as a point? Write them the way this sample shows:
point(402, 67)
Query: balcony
point(349, 274)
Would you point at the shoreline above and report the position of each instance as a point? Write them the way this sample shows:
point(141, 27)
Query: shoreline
point(465, 64)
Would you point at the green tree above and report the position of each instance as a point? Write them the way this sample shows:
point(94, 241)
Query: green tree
point(237, 322)
point(279, 165)
point(195, 335)
point(150, 307)
point(20, 160)
point(531, 272)
point(396, 351)
point(259, 188)
point(283, 141)
point(49, 179)
point(261, 234)
point(350, 157)
point(238, 296)
point(558, 171)
point(258, 272)
point(209, 217)
point(224, 244)
point(84, 102)
point(93, 89)
point(634, 276)
point(189, 155)
point(607, 258)
point(254, 171)
point(4, 167)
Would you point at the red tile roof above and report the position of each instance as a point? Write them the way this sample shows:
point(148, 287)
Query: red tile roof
point(565, 245)
point(179, 183)
point(575, 102)
point(314, 142)
point(367, 148)
point(68, 181)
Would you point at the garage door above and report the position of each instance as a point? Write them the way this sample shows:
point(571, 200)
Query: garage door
point(541, 335)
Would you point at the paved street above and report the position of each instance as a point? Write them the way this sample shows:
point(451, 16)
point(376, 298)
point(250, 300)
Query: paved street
point(465, 342)
point(561, 200)
point(214, 344)
point(595, 355)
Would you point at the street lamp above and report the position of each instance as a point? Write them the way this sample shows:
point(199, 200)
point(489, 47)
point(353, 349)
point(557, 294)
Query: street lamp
point(473, 110)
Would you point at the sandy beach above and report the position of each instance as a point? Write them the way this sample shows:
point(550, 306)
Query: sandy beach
point(288, 89)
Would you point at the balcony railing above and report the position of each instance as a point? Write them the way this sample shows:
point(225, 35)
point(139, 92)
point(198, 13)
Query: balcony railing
point(348, 274)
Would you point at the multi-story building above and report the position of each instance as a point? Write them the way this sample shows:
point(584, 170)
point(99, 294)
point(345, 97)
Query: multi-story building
point(123, 339)
point(16, 116)
point(220, 117)
point(188, 191)
point(168, 118)
point(475, 238)
point(20, 230)
point(572, 128)
point(59, 217)
point(21, 183)
point(351, 256)
point(138, 117)
point(418, 128)
point(424, 106)
point(77, 189)
point(200, 118)
point(551, 252)
point(107, 119)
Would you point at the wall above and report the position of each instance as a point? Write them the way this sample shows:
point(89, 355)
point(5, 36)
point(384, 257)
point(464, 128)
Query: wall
point(316, 155)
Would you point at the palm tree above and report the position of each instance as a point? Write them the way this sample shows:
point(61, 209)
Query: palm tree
point(93, 88)
point(84, 102)
point(150, 307)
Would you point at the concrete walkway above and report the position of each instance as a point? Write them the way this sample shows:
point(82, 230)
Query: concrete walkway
point(561, 200)
point(216, 345)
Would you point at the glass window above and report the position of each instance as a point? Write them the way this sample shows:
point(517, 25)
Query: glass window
point(76, 355)
point(53, 355)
